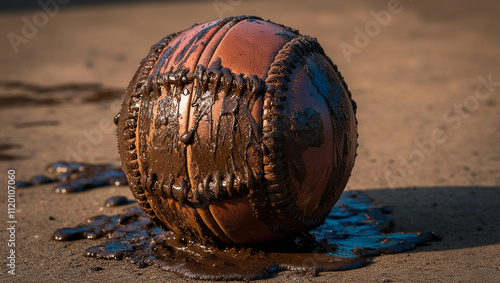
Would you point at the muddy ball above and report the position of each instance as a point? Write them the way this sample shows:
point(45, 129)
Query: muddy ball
point(237, 131)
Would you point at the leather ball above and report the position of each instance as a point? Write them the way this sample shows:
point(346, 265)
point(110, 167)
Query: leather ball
point(237, 131)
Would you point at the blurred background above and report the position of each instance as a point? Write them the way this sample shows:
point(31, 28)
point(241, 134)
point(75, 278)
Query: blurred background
point(425, 75)
point(410, 66)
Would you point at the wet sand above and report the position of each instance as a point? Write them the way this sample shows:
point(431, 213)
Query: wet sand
point(428, 124)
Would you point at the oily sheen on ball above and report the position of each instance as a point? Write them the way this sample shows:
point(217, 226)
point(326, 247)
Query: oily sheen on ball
point(237, 131)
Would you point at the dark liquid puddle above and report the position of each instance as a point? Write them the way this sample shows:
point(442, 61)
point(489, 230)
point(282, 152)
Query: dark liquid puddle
point(78, 177)
point(356, 229)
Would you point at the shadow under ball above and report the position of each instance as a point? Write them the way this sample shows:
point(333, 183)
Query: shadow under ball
point(237, 131)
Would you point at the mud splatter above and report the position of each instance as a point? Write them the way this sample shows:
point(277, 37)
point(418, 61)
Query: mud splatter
point(116, 201)
point(77, 177)
point(357, 228)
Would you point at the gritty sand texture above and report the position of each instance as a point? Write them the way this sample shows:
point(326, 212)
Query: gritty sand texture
point(418, 81)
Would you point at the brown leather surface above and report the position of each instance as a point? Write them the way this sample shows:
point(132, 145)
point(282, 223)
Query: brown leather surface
point(183, 218)
point(249, 47)
point(303, 94)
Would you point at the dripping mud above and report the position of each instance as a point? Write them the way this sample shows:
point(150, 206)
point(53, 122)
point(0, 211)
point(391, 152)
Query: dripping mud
point(356, 229)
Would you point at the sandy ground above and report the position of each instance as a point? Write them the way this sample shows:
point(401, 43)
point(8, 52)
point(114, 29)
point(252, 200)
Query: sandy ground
point(427, 83)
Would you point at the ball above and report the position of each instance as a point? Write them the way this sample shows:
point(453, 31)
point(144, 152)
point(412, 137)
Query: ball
point(237, 131)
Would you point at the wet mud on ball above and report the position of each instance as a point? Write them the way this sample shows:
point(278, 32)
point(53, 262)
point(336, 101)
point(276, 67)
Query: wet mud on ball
point(237, 131)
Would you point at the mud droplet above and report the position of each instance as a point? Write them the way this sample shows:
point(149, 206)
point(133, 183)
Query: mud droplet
point(116, 118)
point(229, 105)
point(187, 137)
point(115, 201)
